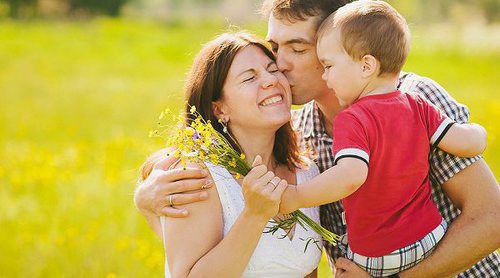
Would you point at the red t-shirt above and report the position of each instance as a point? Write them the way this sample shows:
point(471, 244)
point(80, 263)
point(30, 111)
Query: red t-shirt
point(392, 133)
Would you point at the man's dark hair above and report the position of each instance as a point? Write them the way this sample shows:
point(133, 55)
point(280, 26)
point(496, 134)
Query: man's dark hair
point(300, 10)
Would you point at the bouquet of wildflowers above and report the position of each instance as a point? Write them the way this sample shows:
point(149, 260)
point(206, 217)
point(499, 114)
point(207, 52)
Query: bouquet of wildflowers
point(198, 141)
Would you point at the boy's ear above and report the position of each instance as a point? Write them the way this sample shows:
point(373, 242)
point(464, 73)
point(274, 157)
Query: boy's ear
point(369, 66)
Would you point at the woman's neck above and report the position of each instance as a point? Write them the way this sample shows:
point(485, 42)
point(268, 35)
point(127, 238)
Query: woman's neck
point(255, 143)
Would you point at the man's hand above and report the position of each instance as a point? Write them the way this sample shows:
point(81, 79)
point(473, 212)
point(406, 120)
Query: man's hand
point(166, 188)
point(346, 268)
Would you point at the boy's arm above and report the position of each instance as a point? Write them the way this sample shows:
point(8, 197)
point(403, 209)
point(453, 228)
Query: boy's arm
point(464, 140)
point(332, 185)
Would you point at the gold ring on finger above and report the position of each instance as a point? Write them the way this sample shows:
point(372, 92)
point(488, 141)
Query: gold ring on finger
point(170, 201)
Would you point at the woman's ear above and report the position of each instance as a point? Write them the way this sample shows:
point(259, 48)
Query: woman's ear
point(218, 110)
point(369, 66)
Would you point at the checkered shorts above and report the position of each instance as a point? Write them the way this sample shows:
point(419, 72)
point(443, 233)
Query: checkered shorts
point(401, 259)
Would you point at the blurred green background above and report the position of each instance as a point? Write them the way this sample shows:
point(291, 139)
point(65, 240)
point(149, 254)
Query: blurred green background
point(82, 83)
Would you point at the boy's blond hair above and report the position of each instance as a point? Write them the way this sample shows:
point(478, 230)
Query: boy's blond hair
point(371, 28)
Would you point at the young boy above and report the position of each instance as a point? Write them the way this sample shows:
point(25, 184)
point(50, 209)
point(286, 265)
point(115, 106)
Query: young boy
point(382, 142)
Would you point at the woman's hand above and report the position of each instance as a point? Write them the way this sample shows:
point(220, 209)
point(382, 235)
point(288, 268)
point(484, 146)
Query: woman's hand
point(262, 191)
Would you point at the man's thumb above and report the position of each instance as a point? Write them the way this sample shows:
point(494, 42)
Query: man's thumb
point(165, 162)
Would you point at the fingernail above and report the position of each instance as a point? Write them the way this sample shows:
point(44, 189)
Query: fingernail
point(208, 184)
point(184, 212)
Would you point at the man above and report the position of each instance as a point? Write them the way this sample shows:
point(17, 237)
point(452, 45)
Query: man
point(465, 184)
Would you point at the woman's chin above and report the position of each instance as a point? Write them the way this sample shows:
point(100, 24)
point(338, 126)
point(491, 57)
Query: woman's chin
point(278, 122)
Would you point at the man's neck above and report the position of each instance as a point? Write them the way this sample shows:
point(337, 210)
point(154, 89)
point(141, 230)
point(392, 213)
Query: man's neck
point(329, 106)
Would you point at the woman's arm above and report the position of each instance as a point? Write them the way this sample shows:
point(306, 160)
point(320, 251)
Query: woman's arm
point(196, 246)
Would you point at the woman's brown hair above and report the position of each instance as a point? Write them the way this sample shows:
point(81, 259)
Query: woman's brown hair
point(204, 85)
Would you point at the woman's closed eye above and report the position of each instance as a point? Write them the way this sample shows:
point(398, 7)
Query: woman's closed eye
point(248, 78)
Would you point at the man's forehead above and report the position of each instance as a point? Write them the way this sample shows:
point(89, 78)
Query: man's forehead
point(282, 31)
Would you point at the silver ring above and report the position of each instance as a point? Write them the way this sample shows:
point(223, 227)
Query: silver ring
point(170, 203)
point(271, 182)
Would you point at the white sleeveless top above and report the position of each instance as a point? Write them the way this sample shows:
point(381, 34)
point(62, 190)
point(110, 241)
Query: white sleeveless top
point(273, 256)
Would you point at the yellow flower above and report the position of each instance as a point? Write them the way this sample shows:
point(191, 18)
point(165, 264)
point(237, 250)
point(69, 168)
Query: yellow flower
point(238, 176)
point(189, 131)
point(214, 158)
point(193, 109)
point(242, 156)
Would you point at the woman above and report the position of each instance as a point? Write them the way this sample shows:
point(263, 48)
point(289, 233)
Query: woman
point(235, 79)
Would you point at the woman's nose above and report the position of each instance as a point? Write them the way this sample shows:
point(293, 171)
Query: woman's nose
point(269, 80)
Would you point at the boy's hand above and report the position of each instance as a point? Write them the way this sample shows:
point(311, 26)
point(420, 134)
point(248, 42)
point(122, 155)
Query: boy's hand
point(289, 200)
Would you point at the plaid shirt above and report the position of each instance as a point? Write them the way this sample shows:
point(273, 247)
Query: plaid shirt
point(308, 122)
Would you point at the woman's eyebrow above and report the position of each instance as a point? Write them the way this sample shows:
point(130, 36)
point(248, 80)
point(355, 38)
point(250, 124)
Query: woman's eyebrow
point(252, 70)
point(243, 72)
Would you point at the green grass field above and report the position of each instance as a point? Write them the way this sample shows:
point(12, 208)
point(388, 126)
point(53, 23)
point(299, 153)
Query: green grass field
point(77, 100)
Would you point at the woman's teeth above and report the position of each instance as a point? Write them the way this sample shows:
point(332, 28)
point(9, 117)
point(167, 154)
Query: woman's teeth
point(272, 100)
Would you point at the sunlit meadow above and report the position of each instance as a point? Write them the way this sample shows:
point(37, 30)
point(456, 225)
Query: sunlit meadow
point(77, 100)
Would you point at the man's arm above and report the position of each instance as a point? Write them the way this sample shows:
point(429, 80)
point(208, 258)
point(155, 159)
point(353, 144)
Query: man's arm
point(474, 233)
point(152, 195)
point(472, 236)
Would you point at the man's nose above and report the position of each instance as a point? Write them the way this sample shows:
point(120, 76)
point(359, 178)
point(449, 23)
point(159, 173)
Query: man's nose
point(283, 62)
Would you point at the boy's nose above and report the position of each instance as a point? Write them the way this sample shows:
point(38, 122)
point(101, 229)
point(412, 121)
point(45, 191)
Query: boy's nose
point(323, 76)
